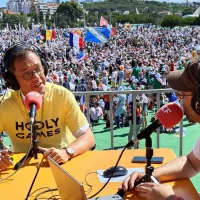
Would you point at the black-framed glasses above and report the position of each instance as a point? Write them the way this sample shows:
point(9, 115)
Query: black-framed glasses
point(29, 74)
point(181, 95)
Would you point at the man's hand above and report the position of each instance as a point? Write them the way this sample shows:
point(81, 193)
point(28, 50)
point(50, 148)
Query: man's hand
point(58, 155)
point(129, 182)
point(5, 160)
point(151, 191)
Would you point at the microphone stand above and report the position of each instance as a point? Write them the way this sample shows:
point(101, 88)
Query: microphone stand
point(33, 181)
point(148, 168)
point(33, 151)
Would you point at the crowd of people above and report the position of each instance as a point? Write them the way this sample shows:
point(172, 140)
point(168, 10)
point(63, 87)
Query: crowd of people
point(134, 59)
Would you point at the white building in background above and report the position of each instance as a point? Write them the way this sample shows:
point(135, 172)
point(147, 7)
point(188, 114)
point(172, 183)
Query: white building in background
point(24, 6)
point(52, 7)
point(42, 6)
point(18, 6)
point(47, 7)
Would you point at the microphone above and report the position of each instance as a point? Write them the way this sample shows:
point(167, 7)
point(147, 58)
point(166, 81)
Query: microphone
point(33, 102)
point(168, 115)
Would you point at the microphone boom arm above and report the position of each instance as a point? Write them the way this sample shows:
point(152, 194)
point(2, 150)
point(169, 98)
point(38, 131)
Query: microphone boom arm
point(145, 133)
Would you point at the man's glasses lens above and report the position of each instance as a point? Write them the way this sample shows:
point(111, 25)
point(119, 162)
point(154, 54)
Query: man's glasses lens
point(29, 75)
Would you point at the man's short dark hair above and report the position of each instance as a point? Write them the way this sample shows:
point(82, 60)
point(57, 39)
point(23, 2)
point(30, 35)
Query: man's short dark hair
point(15, 54)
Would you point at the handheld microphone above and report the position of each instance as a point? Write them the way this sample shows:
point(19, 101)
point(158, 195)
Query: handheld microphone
point(33, 102)
point(169, 115)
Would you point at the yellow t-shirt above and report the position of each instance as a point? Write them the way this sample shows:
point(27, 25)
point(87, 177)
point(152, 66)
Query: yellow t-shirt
point(58, 118)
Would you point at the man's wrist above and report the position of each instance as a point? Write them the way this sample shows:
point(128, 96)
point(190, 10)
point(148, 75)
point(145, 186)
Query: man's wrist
point(70, 152)
point(154, 174)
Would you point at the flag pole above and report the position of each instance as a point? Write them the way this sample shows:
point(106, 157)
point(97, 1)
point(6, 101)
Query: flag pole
point(97, 13)
point(110, 16)
point(84, 18)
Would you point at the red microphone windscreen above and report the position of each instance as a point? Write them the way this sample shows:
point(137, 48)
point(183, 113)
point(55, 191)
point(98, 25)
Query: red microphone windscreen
point(169, 115)
point(33, 97)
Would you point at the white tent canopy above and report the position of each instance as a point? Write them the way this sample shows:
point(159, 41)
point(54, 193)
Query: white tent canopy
point(195, 14)
point(136, 11)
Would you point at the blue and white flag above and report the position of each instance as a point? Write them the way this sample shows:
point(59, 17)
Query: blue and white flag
point(98, 35)
point(82, 56)
point(66, 35)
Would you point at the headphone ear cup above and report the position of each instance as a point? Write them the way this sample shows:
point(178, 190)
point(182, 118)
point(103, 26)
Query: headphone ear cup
point(6, 79)
point(45, 65)
point(195, 104)
point(11, 81)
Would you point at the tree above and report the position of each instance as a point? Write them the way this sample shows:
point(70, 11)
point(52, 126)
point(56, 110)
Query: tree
point(63, 24)
point(188, 11)
point(197, 21)
point(33, 13)
point(13, 20)
point(69, 12)
point(41, 17)
point(134, 18)
point(189, 21)
point(171, 21)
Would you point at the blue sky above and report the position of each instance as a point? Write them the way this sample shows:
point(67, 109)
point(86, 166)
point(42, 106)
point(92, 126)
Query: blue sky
point(3, 2)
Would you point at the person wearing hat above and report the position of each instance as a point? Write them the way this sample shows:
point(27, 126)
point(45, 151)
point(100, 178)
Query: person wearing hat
point(186, 83)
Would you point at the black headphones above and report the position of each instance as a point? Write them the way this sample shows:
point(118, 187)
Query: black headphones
point(195, 102)
point(10, 80)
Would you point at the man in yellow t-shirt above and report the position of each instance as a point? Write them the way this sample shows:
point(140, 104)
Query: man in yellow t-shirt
point(63, 130)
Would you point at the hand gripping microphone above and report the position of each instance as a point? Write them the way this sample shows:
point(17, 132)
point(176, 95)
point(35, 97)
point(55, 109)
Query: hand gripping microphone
point(33, 102)
point(169, 115)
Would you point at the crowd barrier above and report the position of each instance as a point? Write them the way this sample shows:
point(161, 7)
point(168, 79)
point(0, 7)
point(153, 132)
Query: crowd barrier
point(134, 93)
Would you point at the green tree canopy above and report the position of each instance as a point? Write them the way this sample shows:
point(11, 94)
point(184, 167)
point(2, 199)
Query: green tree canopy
point(171, 21)
point(188, 11)
point(33, 13)
point(13, 20)
point(69, 12)
point(134, 18)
